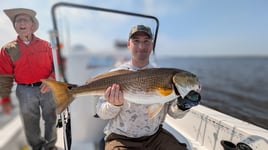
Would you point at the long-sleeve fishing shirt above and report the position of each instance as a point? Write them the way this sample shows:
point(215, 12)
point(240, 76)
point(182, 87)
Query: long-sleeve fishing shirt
point(131, 119)
point(26, 63)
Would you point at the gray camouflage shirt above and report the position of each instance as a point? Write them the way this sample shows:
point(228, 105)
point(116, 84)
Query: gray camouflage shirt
point(131, 119)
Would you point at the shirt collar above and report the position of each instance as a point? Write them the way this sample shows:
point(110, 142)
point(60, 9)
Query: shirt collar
point(34, 38)
point(131, 67)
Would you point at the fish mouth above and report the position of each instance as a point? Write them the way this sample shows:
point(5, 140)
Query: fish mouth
point(191, 95)
point(186, 93)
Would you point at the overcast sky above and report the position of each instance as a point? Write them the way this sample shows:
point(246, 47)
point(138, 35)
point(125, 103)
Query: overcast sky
point(187, 27)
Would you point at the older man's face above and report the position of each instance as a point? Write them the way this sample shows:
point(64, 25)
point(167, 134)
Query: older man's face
point(24, 25)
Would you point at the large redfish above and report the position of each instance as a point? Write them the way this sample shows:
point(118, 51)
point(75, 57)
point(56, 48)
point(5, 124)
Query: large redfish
point(146, 86)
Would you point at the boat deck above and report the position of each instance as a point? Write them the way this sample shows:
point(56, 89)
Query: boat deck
point(12, 136)
point(199, 134)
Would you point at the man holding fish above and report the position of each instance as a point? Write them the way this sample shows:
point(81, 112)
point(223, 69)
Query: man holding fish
point(139, 125)
point(136, 97)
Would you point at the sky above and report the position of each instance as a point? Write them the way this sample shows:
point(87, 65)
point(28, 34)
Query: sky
point(187, 27)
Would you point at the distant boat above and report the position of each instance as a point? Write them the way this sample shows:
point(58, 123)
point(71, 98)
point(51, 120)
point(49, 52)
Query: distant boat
point(121, 44)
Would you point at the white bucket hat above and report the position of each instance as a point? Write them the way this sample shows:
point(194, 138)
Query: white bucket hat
point(12, 13)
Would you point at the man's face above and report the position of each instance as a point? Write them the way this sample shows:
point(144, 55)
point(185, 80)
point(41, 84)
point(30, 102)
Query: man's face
point(24, 25)
point(140, 46)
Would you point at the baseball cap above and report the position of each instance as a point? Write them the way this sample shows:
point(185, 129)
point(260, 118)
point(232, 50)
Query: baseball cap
point(140, 28)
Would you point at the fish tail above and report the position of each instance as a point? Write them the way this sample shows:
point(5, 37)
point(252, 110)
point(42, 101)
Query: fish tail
point(61, 93)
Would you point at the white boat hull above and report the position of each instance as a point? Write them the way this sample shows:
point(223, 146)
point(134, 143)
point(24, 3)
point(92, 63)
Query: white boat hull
point(205, 128)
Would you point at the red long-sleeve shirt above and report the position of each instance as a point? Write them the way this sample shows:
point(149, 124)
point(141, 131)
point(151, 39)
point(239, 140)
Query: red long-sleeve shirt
point(34, 63)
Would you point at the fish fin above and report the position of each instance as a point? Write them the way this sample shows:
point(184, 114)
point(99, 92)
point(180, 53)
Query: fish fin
point(154, 109)
point(61, 93)
point(110, 74)
point(165, 91)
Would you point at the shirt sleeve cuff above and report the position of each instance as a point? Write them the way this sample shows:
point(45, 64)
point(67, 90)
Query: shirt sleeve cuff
point(4, 100)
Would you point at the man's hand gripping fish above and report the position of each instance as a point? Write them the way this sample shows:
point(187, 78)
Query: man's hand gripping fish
point(154, 86)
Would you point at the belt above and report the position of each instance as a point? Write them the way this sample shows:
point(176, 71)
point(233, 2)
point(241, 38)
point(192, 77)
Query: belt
point(33, 84)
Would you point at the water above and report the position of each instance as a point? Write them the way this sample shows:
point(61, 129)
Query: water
point(237, 86)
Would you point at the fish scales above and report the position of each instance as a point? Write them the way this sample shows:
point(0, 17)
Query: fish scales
point(135, 81)
point(146, 86)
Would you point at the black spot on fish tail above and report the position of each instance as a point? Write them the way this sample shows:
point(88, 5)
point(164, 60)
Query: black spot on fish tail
point(72, 86)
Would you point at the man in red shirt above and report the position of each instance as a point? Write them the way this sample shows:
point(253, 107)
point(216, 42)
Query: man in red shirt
point(27, 60)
